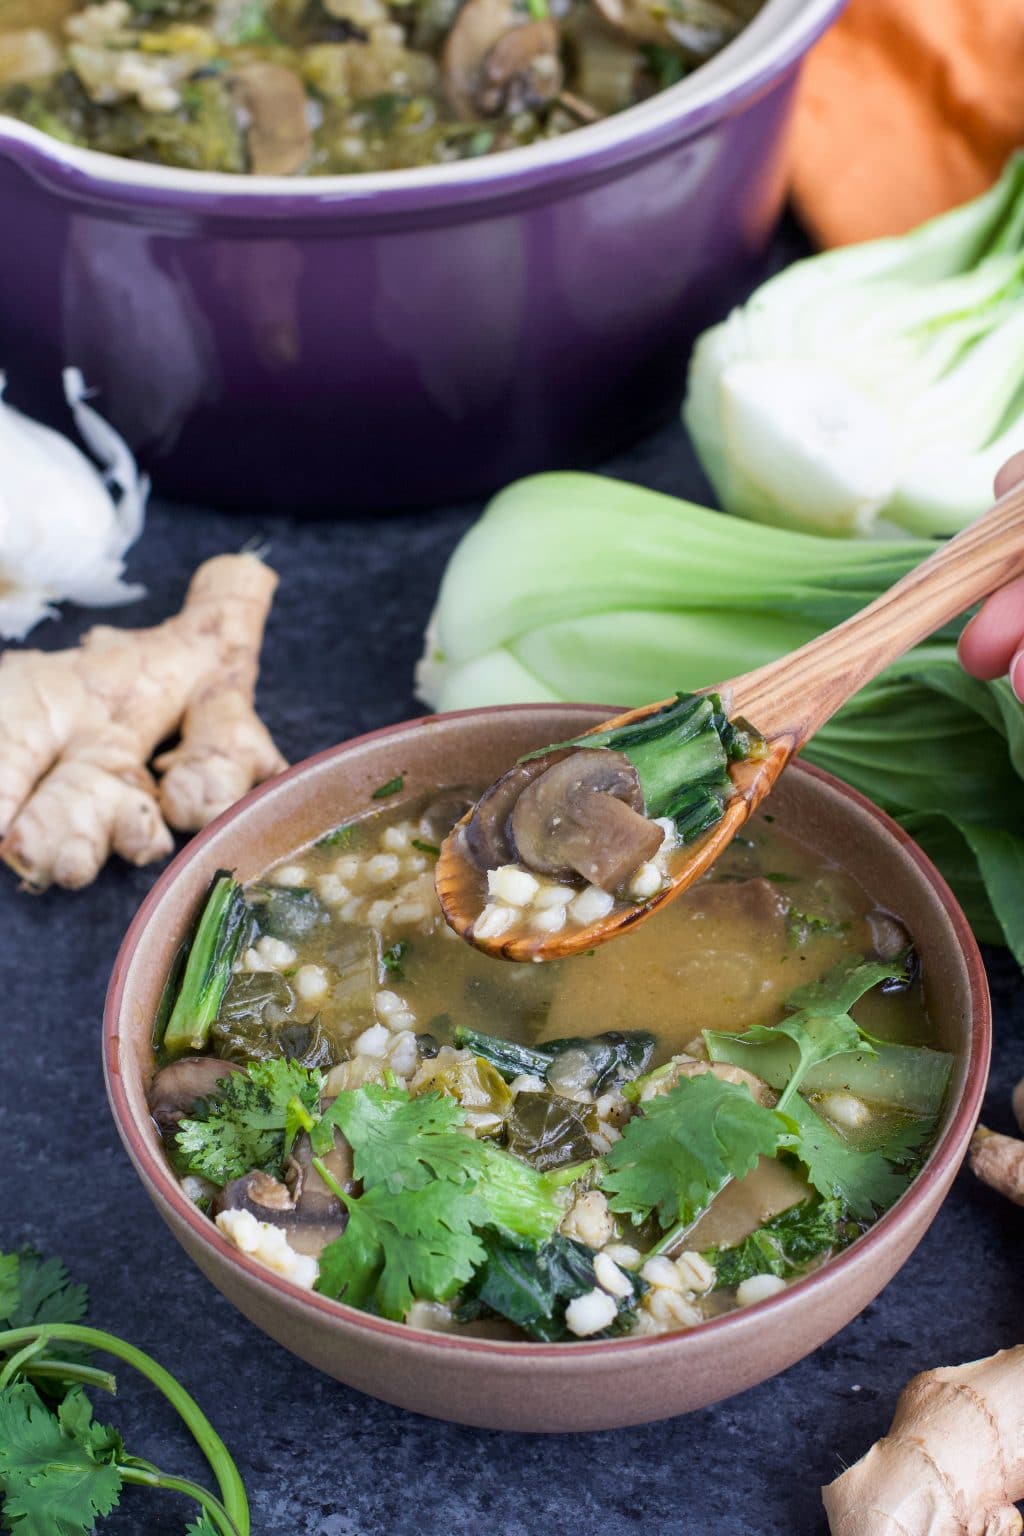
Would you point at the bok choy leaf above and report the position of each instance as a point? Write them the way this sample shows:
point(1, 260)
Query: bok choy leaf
point(579, 587)
point(873, 386)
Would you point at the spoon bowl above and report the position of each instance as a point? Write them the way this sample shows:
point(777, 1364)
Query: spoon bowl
point(786, 701)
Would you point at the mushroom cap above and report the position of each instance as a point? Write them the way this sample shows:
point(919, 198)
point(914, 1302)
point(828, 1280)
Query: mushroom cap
point(698, 27)
point(261, 1195)
point(178, 1087)
point(303, 1206)
point(487, 837)
point(584, 817)
point(488, 47)
point(278, 136)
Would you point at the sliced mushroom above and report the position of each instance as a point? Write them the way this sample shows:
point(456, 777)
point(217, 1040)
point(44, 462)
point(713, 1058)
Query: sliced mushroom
point(320, 1215)
point(699, 27)
point(312, 1196)
point(261, 1195)
point(584, 816)
point(438, 818)
point(278, 133)
point(496, 60)
point(759, 1089)
point(177, 1088)
point(310, 1214)
point(888, 934)
point(487, 836)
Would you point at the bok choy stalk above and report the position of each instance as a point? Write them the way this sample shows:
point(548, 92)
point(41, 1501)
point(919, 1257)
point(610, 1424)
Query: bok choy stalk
point(878, 384)
point(578, 587)
point(223, 923)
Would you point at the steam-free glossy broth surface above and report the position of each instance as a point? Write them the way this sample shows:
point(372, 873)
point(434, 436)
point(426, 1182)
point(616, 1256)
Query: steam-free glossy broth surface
point(772, 915)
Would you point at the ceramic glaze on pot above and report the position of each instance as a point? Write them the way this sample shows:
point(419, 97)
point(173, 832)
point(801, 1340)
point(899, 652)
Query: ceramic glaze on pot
point(403, 337)
point(526, 1386)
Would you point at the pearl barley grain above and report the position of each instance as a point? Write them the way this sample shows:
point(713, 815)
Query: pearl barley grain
point(311, 982)
point(590, 1313)
point(758, 1288)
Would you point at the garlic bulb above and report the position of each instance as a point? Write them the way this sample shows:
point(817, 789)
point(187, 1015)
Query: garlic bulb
point(63, 532)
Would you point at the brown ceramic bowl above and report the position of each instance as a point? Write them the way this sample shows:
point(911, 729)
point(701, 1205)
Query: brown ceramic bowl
point(599, 1385)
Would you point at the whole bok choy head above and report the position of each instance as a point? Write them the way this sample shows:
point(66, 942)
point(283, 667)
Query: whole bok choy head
point(877, 385)
point(579, 587)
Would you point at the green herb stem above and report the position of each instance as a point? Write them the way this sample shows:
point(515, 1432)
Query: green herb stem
point(19, 1360)
point(235, 1507)
point(145, 1476)
point(331, 1182)
point(71, 1371)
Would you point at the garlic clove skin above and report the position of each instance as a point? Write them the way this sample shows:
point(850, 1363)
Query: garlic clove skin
point(63, 535)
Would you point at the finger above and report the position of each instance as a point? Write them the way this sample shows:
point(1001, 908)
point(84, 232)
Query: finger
point(1017, 675)
point(994, 636)
point(1010, 475)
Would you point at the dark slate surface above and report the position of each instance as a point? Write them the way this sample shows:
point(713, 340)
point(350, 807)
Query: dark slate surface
point(319, 1459)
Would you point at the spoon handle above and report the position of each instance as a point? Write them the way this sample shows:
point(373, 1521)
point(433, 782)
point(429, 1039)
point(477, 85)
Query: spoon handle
point(790, 698)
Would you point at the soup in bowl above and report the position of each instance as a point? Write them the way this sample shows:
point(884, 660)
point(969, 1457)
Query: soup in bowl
point(461, 1183)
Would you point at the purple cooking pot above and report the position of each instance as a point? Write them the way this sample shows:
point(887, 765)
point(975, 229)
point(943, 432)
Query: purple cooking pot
point(405, 337)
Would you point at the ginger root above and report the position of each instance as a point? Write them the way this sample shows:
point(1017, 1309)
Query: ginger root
point(79, 727)
point(952, 1463)
point(999, 1160)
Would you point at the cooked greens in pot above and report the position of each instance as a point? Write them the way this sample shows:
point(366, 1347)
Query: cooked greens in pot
point(620, 1143)
point(316, 87)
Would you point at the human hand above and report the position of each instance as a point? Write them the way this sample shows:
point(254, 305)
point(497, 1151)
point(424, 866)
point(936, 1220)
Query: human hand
point(993, 642)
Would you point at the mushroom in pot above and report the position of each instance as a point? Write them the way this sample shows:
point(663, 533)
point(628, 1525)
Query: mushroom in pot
point(177, 1088)
point(278, 133)
point(498, 61)
point(698, 27)
point(585, 817)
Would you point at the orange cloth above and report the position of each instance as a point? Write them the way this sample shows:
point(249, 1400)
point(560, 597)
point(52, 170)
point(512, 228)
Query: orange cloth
point(906, 108)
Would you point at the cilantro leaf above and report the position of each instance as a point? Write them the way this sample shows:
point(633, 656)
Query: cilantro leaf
point(57, 1473)
point(37, 1290)
point(784, 1245)
point(10, 1289)
point(801, 926)
point(406, 1143)
point(905, 1147)
point(248, 1123)
point(429, 1188)
point(532, 1287)
point(401, 1142)
point(339, 837)
point(404, 1245)
point(864, 1181)
point(844, 985)
point(391, 960)
point(820, 1027)
point(204, 1526)
point(675, 1156)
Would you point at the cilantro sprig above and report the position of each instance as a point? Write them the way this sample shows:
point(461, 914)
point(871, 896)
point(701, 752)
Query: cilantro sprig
point(61, 1470)
point(429, 1192)
point(675, 1157)
point(250, 1122)
point(685, 1145)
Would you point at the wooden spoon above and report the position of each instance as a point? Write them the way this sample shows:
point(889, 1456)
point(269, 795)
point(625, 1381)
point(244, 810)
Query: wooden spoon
point(787, 700)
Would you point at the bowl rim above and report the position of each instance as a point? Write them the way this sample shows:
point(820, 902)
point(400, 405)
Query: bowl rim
point(772, 42)
point(156, 1172)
